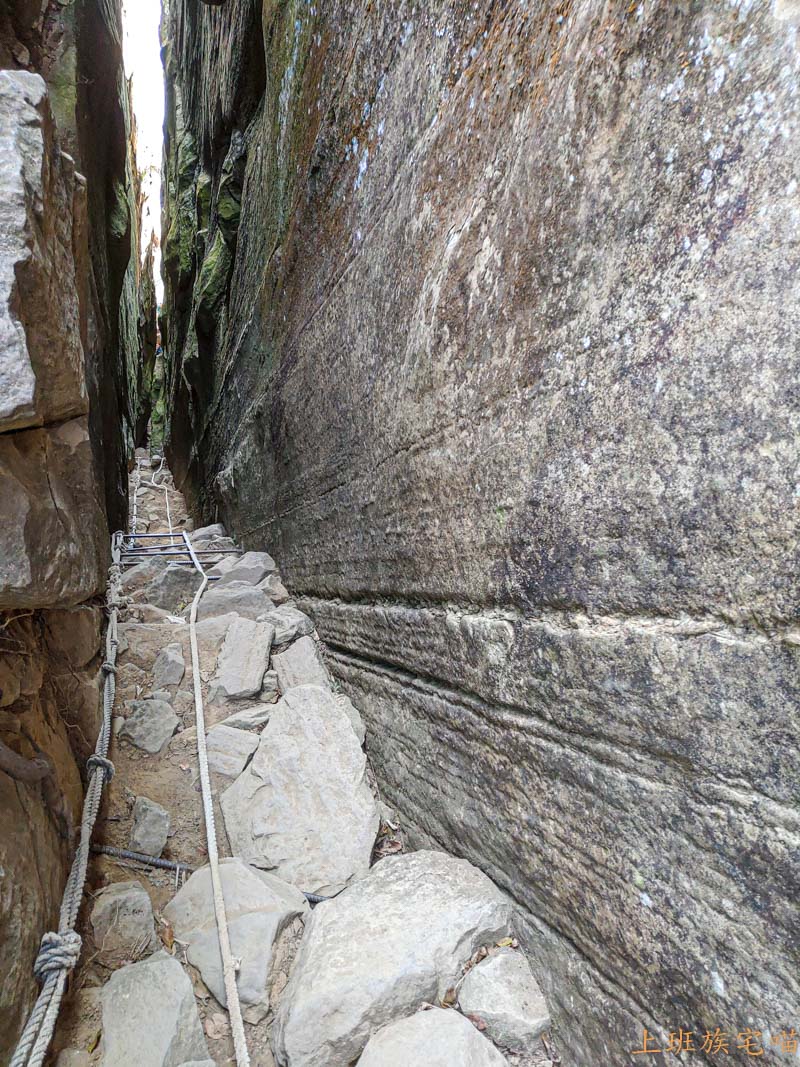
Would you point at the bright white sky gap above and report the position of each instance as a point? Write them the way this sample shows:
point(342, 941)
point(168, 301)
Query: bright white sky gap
point(142, 51)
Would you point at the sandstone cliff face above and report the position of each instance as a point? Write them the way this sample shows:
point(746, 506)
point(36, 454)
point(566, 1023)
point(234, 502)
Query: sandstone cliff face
point(68, 244)
point(482, 318)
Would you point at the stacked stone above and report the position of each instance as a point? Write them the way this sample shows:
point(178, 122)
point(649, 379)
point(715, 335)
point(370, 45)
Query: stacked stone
point(408, 958)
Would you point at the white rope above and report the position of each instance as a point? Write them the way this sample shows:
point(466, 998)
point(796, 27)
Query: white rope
point(59, 952)
point(228, 963)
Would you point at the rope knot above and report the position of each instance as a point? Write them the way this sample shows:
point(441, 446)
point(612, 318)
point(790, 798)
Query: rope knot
point(100, 761)
point(57, 952)
point(108, 667)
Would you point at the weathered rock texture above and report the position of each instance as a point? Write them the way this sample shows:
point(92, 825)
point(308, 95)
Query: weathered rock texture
point(68, 292)
point(482, 321)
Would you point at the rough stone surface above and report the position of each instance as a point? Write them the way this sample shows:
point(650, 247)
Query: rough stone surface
point(502, 993)
point(252, 718)
point(122, 922)
point(207, 533)
point(150, 827)
point(270, 688)
point(150, 725)
point(303, 808)
point(74, 633)
point(396, 938)
point(229, 749)
point(42, 376)
point(525, 345)
point(242, 661)
point(173, 587)
point(436, 1037)
point(73, 1057)
point(275, 589)
point(300, 664)
point(238, 598)
point(252, 567)
point(141, 574)
point(169, 667)
point(150, 1017)
point(259, 907)
point(289, 624)
point(54, 539)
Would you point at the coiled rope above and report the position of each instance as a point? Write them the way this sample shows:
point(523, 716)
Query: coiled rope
point(228, 962)
point(59, 951)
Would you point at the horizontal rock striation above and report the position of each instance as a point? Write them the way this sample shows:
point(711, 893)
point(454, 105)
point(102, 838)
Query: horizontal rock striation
point(480, 320)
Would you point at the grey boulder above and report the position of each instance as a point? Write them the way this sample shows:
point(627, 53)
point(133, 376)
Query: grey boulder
point(239, 598)
point(289, 623)
point(150, 725)
point(436, 1038)
point(399, 936)
point(270, 689)
point(259, 907)
point(252, 567)
point(502, 992)
point(242, 661)
point(150, 1016)
point(122, 921)
point(229, 749)
point(300, 664)
point(173, 587)
point(207, 533)
point(252, 718)
point(150, 827)
point(303, 808)
point(274, 588)
point(169, 667)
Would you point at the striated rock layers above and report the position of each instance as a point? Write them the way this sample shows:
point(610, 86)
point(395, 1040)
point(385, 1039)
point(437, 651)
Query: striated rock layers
point(68, 282)
point(482, 320)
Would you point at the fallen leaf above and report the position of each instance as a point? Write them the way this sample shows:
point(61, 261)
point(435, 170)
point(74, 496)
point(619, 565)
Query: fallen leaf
point(94, 1042)
point(168, 936)
point(506, 942)
point(449, 999)
point(478, 1023)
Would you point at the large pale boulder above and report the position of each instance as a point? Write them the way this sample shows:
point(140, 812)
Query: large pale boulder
point(396, 938)
point(259, 907)
point(173, 587)
point(229, 749)
point(122, 922)
point(300, 664)
point(150, 828)
point(150, 1016)
point(252, 567)
point(54, 544)
point(240, 598)
point(502, 992)
point(150, 725)
point(302, 808)
point(435, 1038)
point(289, 623)
point(41, 348)
point(242, 661)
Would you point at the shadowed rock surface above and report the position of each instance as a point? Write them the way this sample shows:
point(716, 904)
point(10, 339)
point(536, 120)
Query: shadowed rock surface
point(482, 322)
point(69, 391)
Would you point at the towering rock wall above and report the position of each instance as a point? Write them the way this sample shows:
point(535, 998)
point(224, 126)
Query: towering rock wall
point(69, 321)
point(482, 317)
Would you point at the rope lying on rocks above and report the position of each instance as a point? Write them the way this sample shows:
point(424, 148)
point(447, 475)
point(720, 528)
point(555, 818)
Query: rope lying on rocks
point(228, 961)
point(60, 950)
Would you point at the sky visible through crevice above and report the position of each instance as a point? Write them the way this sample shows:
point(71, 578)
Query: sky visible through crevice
point(142, 51)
